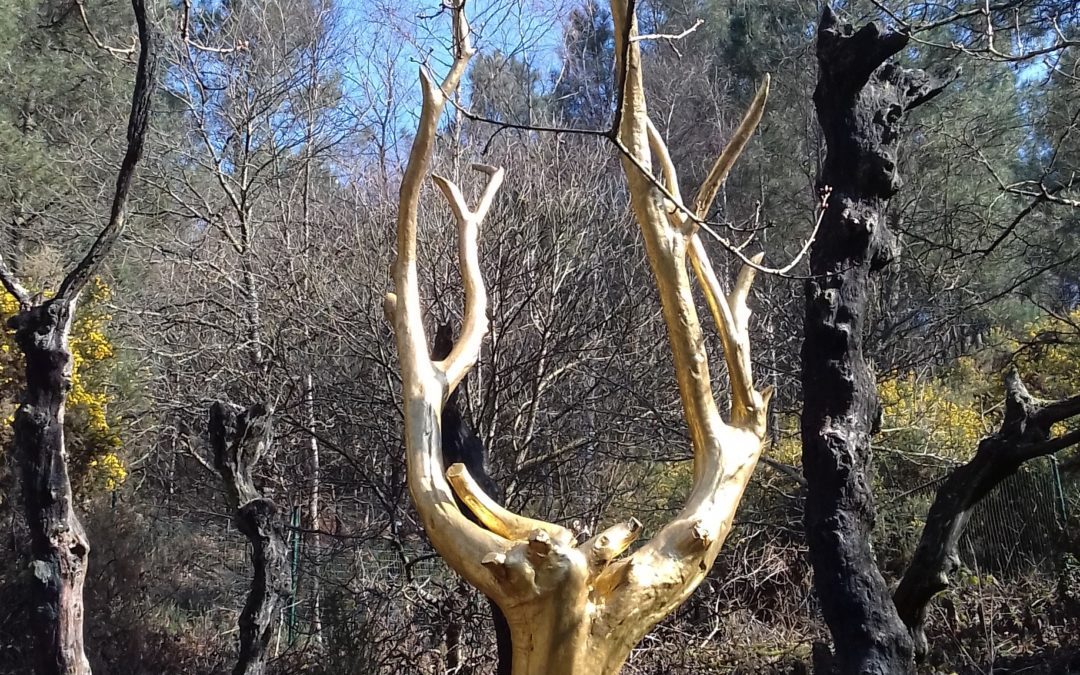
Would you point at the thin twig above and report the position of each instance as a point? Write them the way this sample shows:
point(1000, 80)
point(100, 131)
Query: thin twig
point(668, 36)
point(990, 51)
point(115, 51)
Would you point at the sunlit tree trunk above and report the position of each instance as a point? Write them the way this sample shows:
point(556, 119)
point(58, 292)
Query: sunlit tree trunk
point(315, 468)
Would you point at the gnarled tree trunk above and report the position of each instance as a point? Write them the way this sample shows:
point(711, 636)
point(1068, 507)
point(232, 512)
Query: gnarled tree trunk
point(861, 102)
point(58, 542)
point(239, 442)
point(59, 545)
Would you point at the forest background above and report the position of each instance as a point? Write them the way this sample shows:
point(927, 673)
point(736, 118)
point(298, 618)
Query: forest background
point(258, 255)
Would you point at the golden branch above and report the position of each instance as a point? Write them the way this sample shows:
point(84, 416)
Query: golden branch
point(464, 544)
point(496, 518)
point(677, 558)
point(467, 349)
point(720, 170)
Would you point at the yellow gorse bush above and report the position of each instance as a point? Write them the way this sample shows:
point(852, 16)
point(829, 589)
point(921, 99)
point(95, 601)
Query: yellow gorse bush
point(788, 446)
point(942, 416)
point(945, 414)
point(93, 443)
point(109, 470)
point(1049, 355)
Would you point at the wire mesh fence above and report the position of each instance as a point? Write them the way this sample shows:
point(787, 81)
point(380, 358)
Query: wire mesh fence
point(1016, 527)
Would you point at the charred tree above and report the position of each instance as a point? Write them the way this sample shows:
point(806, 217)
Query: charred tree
point(1025, 434)
point(239, 441)
point(59, 545)
point(460, 444)
point(861, 104)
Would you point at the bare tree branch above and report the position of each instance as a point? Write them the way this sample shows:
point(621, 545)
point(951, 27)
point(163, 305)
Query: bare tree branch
point(138, 120)
point(115, 51)
point(668, 36)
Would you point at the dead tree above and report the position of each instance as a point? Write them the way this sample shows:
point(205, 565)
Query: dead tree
point(579, 609)
point(239, 441)
point(1025, 434)
point(861, 103)
point(59, 544)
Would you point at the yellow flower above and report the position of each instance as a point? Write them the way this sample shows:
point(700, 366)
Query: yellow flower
point(939, 415)
point(89, 425)
point(8, 305)
point(108, 471)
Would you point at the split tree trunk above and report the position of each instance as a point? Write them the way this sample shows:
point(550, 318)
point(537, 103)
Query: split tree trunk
point(861, 102)
point(1024, 435)
point(239, 442)
point(58, 542)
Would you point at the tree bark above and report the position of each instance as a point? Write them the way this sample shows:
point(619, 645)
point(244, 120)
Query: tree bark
point(313, 509)
point(1024, 435)
point(239, 442)
point(59, 545)
point(861, 102)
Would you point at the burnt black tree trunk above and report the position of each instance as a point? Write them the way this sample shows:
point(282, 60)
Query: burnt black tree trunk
point(861, 103)
point(461, 444)
point(1025, 434)
point(239, 441)
point(59, 545)
point(58, 542)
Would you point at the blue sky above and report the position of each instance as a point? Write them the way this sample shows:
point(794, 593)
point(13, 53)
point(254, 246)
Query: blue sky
point(391, 38)
point(528, 29)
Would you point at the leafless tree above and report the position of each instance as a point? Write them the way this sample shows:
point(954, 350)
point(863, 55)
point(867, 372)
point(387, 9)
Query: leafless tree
point(535, 570)
point(60, 546)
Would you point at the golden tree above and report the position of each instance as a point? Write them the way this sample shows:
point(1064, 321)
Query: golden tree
point(580, 608)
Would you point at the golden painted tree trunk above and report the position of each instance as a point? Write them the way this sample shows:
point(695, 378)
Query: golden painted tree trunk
point(579, 609)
